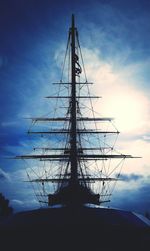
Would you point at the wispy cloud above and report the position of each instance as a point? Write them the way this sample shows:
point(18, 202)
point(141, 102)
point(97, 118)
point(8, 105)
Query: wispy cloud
point(9, 123)
point(130, 177)
point(24, 204)
point(133, 198)
point(4, 175)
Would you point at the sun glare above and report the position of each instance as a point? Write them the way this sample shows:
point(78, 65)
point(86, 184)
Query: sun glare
point(127, 110)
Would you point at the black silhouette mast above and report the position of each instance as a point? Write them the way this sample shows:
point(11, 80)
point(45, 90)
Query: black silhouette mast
point(73, 132)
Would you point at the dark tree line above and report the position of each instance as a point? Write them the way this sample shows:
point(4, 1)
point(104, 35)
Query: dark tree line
point(5, 209)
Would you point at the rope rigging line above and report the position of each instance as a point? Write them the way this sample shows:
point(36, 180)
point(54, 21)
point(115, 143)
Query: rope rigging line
point(31, 184)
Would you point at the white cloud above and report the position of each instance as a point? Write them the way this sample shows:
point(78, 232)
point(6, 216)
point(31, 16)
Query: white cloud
point(122, 99)
point(17, 202)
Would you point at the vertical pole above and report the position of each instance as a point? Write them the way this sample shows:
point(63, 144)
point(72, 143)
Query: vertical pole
point(73, 142)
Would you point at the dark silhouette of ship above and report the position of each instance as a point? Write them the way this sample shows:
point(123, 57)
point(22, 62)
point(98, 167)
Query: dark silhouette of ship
point(84, 141)
point(74, 220)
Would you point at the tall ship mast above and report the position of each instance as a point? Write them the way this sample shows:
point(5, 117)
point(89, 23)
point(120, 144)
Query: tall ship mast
point(78, 163)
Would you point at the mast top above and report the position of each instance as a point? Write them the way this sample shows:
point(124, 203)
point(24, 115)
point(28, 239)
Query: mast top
point(73, 21)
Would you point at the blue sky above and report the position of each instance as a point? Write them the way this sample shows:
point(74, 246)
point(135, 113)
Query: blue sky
point(115, 37)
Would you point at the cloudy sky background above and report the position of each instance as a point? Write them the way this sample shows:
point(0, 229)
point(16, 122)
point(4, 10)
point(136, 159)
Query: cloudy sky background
point(115, 39)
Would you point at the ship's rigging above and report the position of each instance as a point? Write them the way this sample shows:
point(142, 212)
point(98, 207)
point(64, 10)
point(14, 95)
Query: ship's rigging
point(78, 155)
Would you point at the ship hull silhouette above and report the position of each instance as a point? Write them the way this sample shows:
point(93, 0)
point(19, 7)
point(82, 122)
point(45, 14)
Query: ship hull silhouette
point(75, 228)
